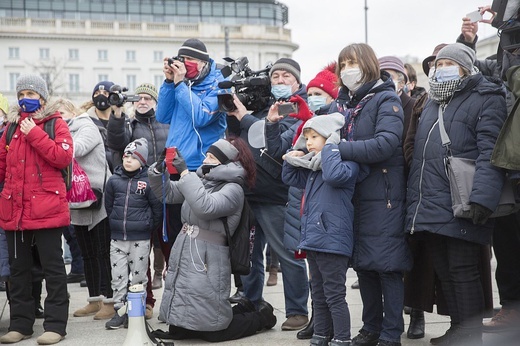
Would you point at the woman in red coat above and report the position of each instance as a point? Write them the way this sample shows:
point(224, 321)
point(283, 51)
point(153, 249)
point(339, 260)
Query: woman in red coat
point(34, 210)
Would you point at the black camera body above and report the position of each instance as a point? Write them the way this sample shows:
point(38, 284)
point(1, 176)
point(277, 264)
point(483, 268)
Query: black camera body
point(117, 96)
point(180, 58)
point(253, 88)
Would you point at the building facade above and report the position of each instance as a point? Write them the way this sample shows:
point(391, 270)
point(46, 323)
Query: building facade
point(74, 44)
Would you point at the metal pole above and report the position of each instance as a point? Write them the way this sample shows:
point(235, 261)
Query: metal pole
point(226, 41)
point(366, 22)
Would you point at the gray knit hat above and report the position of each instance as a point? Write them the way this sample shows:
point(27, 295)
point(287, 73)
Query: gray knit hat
point(325, 125)
point(224, 151)
point(139, 150)
point(194, 48)
point(147, 88)
point(34, 83)
point(461, 54)
point(289, 65)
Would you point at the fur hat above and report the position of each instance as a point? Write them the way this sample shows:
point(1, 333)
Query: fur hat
point(195, 49)
point(326, 80)
point(4, 104)
point(139, 150)
point(289, 65)
point(460, 53)
point(325, 125)
point(104, 85)
point(34, 83)
point(426, 61)
point(224, 151)
point(147, 88)
point(393, 63)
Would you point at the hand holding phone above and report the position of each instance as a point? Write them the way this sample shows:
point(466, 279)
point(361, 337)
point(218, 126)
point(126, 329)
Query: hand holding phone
point(287, 108)
point(171, 152)
point(474, 16)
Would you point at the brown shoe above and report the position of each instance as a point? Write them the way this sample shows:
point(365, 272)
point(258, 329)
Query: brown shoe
point(273, 277)
point(13, 337)
point(90, 309)
point(148, 314)
point(505, 320)
point(106, 312)
point(49, 338)
point(295, 322)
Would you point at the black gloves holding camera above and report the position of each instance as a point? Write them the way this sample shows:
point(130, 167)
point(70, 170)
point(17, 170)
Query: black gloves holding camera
point(479, 214)
point(159, 167)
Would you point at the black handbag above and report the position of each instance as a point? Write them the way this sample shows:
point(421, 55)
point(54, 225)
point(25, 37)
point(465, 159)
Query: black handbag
point(99, 194)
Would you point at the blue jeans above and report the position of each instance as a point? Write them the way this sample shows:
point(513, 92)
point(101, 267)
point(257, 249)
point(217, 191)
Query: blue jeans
point(269, 227)
point(383, 301)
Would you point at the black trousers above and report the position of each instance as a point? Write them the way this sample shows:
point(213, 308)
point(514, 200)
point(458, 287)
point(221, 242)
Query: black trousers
point(456, 263)
point(22, 304)
point(95, 249)
point(506, 245)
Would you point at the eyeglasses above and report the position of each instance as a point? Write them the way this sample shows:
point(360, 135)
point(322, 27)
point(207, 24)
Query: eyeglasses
point(146, 98)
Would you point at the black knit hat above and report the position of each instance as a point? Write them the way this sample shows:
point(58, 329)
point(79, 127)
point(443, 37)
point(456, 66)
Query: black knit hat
point(289, 65)
point(104, 85)
point(224, 151)
point(195, 49)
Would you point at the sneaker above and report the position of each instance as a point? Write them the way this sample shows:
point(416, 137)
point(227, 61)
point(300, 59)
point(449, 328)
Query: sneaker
point(235, 298)
point(365, 338)
point(117, 322)
point(295, 322)
point(505, 320)
point(73, 278)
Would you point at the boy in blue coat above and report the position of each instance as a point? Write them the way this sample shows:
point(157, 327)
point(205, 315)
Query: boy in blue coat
point(326, 221)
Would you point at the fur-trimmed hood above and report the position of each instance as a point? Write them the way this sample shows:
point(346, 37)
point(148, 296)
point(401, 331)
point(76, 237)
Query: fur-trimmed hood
point(46, 111)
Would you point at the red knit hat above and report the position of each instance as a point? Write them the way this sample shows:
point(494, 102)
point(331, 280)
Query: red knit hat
point(326, 80)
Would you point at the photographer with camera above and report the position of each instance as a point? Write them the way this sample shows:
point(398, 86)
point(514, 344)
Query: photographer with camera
point(269, 197)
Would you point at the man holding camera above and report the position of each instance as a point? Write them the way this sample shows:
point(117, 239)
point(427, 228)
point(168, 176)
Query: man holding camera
point(269, 197)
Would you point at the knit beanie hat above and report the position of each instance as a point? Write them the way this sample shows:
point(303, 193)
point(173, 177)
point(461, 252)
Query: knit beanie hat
point(393, 63)
point(426, 61)
point(325, 125)
point(326, 80)
point(139, 150)
point(147, 88)
point(104, 85)
point(289, 65)
point(224, 151)
point(34, 83)
point(4, 104)
point(195, 49)
point(460, 53)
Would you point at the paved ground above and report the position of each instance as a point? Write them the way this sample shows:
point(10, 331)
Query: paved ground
point(86, 331)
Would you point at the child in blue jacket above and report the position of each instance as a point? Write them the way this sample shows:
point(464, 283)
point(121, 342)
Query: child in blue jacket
point(326, 221)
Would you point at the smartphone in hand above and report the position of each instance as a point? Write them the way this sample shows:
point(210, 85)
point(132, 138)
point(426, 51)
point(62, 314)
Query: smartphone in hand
point(168, 160)
point(287, 108)
point(474, 16)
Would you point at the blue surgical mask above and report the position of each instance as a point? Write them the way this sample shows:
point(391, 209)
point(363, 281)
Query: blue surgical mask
point(281, 91)
point(316, 102)
point(445, 74)
point(29, 105)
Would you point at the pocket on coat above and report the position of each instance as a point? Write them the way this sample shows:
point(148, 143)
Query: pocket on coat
point(45, 203)
point(6, 205)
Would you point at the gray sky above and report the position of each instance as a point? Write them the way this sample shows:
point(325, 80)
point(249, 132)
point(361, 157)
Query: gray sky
point(405, 28)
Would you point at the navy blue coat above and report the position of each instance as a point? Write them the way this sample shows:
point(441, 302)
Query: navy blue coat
point(473, 119)
point(379, 200)
point(328, 213)
point(132, 208)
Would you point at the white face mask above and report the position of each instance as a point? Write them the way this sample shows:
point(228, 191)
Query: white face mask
point(351, 77)
point(448, 73)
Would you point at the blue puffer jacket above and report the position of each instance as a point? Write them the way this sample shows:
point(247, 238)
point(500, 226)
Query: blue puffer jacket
point(5, 271)
point(328, 213)
point(379, 200)
point(473, 119)
point(132, 208)
point(192, 112)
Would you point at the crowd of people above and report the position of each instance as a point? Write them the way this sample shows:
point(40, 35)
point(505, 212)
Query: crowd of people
point(354, 177)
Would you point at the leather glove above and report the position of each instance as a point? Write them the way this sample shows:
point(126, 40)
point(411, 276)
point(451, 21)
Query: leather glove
point(479, 214)
point(159, 166)
point(304, 113)
point(333, 138)
point(179, 163)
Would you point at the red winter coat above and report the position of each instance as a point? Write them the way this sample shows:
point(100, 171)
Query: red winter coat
point(34, 193)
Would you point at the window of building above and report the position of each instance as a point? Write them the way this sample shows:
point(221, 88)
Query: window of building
point(13, 77)
point(131, 82)
point(130, 55)
point(102, 77)
point(44, 53)
point(158, 56)
point(74, 82)
point(14, 53)
point(73, 54)
point(158, 80)
point(102, 55)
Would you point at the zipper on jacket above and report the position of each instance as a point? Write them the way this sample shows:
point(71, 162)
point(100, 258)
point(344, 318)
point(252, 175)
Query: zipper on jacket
point(153, 142)
point(125, 212)
point(412, 230)
point(387, 188)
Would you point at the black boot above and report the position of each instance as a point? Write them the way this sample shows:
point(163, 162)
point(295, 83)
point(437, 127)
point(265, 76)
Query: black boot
point(317, 340)
point(445, 339)
point(308, 331)
point(416, 328)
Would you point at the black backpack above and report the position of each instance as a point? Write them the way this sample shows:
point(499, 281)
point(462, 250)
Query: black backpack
point(49, 128)
point(242, 241)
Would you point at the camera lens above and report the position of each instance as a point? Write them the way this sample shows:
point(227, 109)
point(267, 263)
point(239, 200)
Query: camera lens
point(225, 103)
point(115, 99)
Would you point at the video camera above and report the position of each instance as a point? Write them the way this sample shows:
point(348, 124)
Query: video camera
point(507, 20)
point(116, 96)
point(253, 88)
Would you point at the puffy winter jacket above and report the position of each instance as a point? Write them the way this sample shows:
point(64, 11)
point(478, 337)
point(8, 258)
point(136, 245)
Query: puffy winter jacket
point(34, 194)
